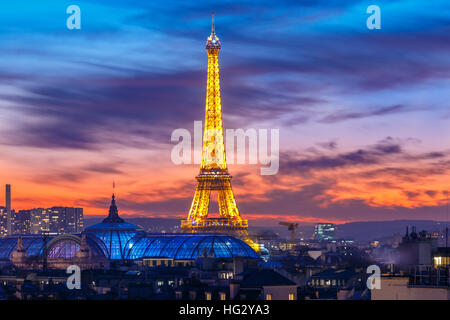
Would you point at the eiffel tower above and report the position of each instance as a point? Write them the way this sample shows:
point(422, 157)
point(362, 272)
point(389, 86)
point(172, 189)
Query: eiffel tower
point(214, 174)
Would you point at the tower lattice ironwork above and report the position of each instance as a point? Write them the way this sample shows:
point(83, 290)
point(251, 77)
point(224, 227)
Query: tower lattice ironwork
point(214, 176)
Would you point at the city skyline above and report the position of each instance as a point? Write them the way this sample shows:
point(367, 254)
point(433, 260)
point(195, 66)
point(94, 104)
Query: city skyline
point(354, 107)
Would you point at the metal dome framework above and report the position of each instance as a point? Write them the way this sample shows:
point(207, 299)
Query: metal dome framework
point(62, 246)
point(113, 239)
point(113, 234)
point(66, 245)
point(188, 246)
point(33, 244)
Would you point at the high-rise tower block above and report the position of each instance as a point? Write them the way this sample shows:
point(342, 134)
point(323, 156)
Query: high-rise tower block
point(8, 209)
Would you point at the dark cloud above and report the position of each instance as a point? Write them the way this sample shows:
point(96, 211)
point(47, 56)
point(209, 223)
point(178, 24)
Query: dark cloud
point(342, 115)
point(309, 202)
point(403, 174)
point(281, 61)
point(330, 145)
point(371, 155)
point(111, 168)
point(92, 112)
point(58, 178)
point(170, 206)
point(431, 193)
point(89, 111)
point(412, 195)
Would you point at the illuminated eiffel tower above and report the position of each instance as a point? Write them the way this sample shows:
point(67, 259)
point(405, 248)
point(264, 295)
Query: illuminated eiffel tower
point(214, 174)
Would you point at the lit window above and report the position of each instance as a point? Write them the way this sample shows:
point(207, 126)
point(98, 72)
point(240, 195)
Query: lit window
point(223, 296)
point(291, 296)
point(437, 261)
point(268, 296)
point(208, 295)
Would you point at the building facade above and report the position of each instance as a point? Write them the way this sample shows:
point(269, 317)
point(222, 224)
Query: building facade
point(55, 220)
point(324, 231)
point(3, 222)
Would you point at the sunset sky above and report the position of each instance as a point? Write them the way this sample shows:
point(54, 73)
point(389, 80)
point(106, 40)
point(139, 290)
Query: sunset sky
point(364, 115)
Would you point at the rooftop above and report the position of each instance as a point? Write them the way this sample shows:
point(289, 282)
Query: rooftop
point(262, 278)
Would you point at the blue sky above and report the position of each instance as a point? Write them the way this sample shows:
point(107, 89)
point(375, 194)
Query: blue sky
point(109, 95)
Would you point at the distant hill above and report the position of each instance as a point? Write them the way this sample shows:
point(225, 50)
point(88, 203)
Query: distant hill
point(149, 224)
point(360, 231)
point(374, 230)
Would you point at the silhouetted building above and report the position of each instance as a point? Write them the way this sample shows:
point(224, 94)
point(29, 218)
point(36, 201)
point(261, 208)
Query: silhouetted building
point(403, 288)
point(65, 220)
point(22, 222)
point(262, 285)
point(441, 258)
point(332, 278)
point(55, 220)
point(415, 249)
point(9, 218)
point(3, 222)
point(324, 231)
point(39, 222)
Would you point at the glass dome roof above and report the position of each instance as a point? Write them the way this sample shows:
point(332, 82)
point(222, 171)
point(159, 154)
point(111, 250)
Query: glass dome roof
point(181, 246)
point(113, 233)
point(33, 245)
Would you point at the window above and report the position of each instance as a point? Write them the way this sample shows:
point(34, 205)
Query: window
point(223, 296)
point(269, 296)
point(437, 261)
point(208, 295)
point(178, 295)
point(291, 296)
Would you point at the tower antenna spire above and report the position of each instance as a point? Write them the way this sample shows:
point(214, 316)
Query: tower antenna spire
point(213, 31)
